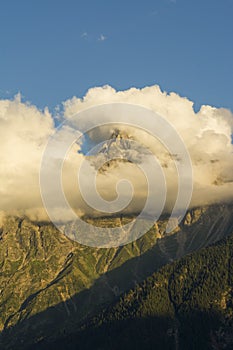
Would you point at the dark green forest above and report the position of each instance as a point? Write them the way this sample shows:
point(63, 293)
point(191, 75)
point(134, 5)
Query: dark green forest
point(185, 305)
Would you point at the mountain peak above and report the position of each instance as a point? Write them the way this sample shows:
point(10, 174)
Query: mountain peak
point(120, 147)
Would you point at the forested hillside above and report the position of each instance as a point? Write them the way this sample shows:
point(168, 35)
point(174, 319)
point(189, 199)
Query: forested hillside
point(186, 305)
point(51, 287)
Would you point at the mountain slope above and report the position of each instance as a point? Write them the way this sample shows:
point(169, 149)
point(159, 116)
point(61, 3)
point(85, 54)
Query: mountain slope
point(42, 270)
point(186, 305)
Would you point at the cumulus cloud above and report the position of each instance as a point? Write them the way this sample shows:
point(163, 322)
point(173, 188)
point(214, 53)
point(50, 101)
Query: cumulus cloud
point(206, 134)
point(25, 130)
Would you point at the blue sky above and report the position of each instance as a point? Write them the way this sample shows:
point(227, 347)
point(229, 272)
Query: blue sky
point(53, 50)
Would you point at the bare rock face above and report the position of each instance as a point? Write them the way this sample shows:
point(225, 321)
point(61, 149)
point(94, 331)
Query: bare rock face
point(120, 148)
point(42, 270)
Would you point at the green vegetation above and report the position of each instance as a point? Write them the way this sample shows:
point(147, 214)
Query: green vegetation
point(51, 287)
point(189, 301)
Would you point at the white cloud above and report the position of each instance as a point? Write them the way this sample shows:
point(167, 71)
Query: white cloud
point(84, 35)
point(102, 37)
point(24, 132)
point(206, 134)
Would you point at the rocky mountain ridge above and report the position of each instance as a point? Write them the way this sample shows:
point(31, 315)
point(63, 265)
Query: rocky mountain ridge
point(42, 269)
